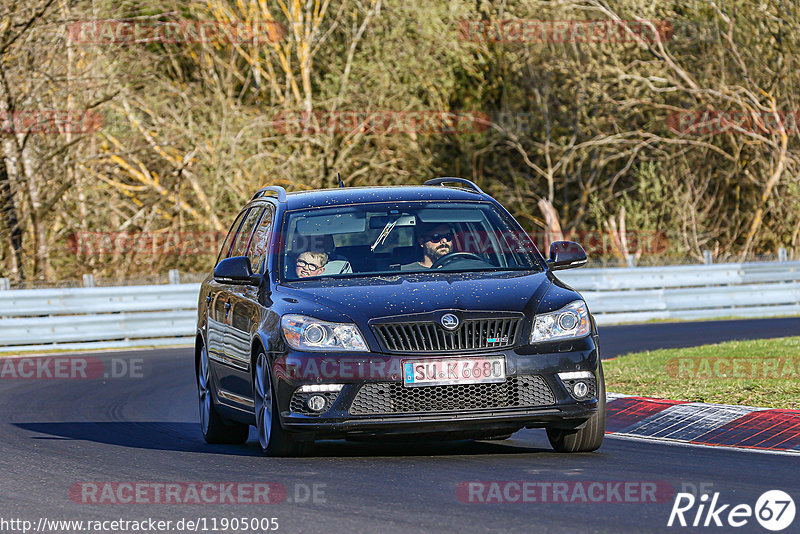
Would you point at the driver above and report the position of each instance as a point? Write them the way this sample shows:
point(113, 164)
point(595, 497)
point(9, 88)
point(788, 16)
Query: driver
point(436, 241)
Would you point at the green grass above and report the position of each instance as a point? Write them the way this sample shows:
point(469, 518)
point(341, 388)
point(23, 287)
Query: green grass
point(764, 373)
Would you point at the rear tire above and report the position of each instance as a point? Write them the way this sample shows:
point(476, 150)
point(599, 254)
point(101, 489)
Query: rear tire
point(589, 437)
point(216, 429)
point(274, 440)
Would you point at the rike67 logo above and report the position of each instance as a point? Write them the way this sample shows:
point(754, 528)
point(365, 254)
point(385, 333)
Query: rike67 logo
point(774, 510)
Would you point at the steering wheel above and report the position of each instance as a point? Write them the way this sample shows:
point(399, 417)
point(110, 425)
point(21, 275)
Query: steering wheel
point(455, 256)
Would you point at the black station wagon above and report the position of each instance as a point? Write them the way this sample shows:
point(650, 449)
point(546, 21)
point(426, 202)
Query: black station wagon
point(412, 311)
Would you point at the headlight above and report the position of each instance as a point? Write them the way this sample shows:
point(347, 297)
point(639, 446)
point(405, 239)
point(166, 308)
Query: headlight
point(571, 321)
point(307, 333)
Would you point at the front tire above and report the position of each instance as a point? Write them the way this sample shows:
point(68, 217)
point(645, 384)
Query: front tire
point(274, 440)
point(216, 429)
point(589, 437)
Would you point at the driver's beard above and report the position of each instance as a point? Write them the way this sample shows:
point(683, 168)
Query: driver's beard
point(435, 252)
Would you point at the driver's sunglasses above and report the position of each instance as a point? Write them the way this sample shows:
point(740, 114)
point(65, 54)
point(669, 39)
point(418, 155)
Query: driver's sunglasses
point(306, 265)
point(435, 238)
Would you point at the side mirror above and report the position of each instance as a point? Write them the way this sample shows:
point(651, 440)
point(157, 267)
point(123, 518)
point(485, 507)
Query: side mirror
point(566, 255)
point(236, 270)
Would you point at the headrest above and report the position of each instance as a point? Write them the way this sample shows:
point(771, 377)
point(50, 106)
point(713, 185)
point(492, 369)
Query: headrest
point(316, 243)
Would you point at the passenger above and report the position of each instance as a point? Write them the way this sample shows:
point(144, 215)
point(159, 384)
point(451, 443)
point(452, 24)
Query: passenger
point(311, 263)
point(436, 241)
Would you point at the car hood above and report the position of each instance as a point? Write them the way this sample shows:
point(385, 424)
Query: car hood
point(362, 299)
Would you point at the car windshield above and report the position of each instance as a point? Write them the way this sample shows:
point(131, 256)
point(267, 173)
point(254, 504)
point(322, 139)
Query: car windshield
point(390, 238)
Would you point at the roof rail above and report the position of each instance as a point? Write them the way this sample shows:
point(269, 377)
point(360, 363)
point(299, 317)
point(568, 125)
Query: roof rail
point(280, 191)
point(453, 180)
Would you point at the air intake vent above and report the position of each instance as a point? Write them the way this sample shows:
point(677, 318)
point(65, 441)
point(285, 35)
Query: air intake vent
point(377, 398)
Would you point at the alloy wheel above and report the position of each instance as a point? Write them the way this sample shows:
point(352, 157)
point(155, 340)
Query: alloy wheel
point(263, 401)
point(203, 391)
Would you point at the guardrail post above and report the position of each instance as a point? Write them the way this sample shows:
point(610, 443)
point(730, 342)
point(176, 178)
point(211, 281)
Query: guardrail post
point(631, 260)
point(88, 280)
point(174, 276)
point(707, 257)
point(782, 254)
point(5, 284)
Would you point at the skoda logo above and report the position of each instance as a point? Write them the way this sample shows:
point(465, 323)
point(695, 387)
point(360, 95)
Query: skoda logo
point(449, 321)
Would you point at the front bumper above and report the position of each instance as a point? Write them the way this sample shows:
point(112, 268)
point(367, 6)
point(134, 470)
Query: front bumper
point(561, 410)
point(466, 424)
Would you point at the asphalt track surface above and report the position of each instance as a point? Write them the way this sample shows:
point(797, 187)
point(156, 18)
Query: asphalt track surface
point(619, 340)
point(57, 433)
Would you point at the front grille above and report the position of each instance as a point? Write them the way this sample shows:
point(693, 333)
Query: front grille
point(392, 397)
point(472, 334)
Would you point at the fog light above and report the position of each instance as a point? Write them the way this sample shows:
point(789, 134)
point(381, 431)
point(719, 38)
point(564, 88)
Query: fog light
point(316, 403)
point(580, 389)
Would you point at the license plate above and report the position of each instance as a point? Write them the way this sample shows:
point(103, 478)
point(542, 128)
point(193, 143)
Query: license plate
point(454, 371)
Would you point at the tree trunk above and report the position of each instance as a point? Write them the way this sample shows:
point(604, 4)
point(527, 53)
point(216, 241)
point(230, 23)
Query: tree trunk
point(11, 221)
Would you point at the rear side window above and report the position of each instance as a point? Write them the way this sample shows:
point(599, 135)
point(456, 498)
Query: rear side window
point(257, 250)
point(239, 247)
point(226, 246)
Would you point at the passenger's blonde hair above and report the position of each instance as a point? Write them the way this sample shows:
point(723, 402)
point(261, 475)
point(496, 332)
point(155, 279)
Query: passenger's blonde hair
point(319, 257)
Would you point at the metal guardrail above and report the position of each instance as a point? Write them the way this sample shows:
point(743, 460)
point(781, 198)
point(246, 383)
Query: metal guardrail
point(92, 317)
point(79, 300)
point(689, 291)
point(98, 317)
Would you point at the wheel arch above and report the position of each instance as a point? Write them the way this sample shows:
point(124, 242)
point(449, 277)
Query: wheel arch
point(199, 342)
point(256, 346)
